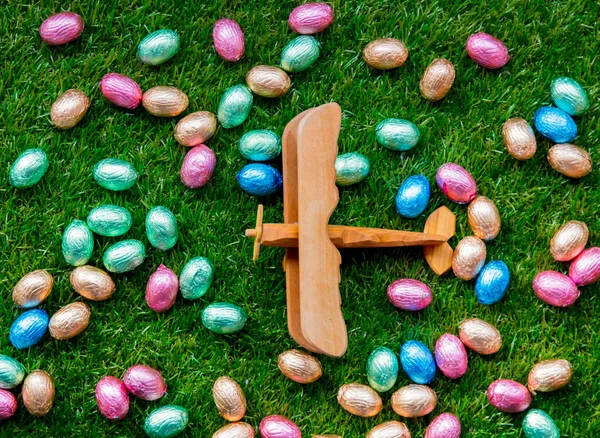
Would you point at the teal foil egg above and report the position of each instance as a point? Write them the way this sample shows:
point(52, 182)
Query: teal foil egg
point(158, 47)
point(166, 421)
point(259, 179)
point(12, 372)
point(260, 145)
point(569, 96)
point(196, 277)
point(538, 424)
point(413, 196)
point(300, 54)
point(124, 256)
point(382, 369)
point(417, 362)
point(115, 174)
point(161, 228)
point(397, 134)
point(223, 318)
point(109, 220)
point(29, 328)
point(77, 243)
point(234, 106)
point(351, 168)
point(28, 169)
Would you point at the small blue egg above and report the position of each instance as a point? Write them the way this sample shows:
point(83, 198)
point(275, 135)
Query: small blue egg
point(492, 283)
point(555, 124)
point(29, 328)
point(413, 196)
point(260, 179)
point(417, 362)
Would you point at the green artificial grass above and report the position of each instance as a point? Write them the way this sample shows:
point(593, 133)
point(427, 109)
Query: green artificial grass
point(546, 39)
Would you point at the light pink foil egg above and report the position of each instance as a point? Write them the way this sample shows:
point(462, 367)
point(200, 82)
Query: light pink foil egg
point(62, 28)
point(445, 425)
point(451, 356)
point(311, 18)
point(145, 382)
point(198, 166)
point(585, 269)
point(278, 426)
point(508, 396)
point(121, 90)
point(409, 294)
point(555, 288)
point(228, 39)
point(161, 289)
point(487, 51)
point(112, 398)
point(8, 404)
point(456, 183)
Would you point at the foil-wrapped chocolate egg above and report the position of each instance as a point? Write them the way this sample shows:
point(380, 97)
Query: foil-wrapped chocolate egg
point(311, 18)
point(409, 294)
point(11, 372)
point(32, 289)
point(228, 39)
point(508, 396)
point(445, 425)
point(69, 109)
point(555, 124)
point(115, 174)
point(158, 47)
point(109, 220)
point(568, 242)
point(397, 134)
point(413, 401)
point(385, 53)
point(145, 382)
point(92, 283)
point(223, 318)
point(549, 375)
point(8, 404)
point(198, 166)
point(569, 96)
point(235, 430)
point(278, 426)
point(161, 289)
point(555, 288)
point(351, 168)
point(492, 282)
point(585, 268)
point(38, 393)
point(196, 277)
point(229, 398)
point(468, 258)
point(234, 106)
point(300, 54)
point(112, 398)
point(519, 138)
point(413, 196)
point(437, 80)
point(61, 28)
point(259, 179)
point(538, 424)
point(166, 421)
point(360, 400)
point(124, 256)
point(487, 51)
point(77, 243)
point(382, 369)
point(260, 145)
point(28, 169)
point(480, 336)
point(268, 81)
point(484, 218)
point(121, 90)
point(451, 356)
point(161, 228)
point(456, 183)
point(417, 362)
point(165, 101)
point(69, 321)
point(389, 429)
point(29, 328)
point(570, 160)
point(299, 366)
point(196, 128)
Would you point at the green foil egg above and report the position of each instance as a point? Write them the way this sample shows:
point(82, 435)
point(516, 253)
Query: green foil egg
point(28, 169)
point(351, 168)
point(538, 424)
point(77, 243)
point(161, 228)
point(196, 277)
point(382, 369)
point(124, 256)
point(223, 318)
point(234, 106)
point(569, 96)
point(115, 174)
point(397, 134)
point(12, 372)
point(260, 145)
point(300, 54)
point(158, 47)
point(109, 220)
point(166, 421)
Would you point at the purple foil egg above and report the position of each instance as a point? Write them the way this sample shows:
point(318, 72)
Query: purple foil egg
point(161, 289)
point(487, 51)
point(145, 382)
point(445, 425)
point(451, 356)
point(8, 404)
point(555, 288)
point(311, 18)
point(121, 90)
point(228, 39)
point(278, 426)
point(508, 396)
point(112, 398)
point(585, 269)
point(456, 183)
point(61, 28)
point(409, 294)
point(198, 166)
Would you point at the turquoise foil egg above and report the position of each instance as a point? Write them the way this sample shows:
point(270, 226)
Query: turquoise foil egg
point(397, 134)
point(196, 277)
point(109, 220)
point(569, 96)
point(260, 145)
point(234, 106)
point(492, 282)
point(124, 256)
point(555, 124)
point(223, 318)
point(417, 362)
point(382, 369)
point(351, 168)
point(166, 421)
point(158, 47)
point(413, 196)
point(300, 54)
point(161, 228)
point(114, 174)
point(12, 372)
point(28, 169)
point(77, 243)
point(538, 424)
point(29, 328)
point(259, 179)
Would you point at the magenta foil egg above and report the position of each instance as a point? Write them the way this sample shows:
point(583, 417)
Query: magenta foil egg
point(278, 426)
point(161, 289)
point(8, 404)
point(228, 39)
point(198, 166)
point(555, 288)
point(456, 183)
point(409, 294)
point(451, 356)
point(61, 28)
point(508, 396)
point(487, 51)
point(112, 398)
point(121, 90)
point(311, 18)
point(445, 425)
point(585, 269)
point(145, 382)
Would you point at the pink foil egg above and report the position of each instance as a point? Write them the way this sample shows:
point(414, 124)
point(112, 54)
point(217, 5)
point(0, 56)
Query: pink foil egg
point(585, 269)
point(311, 18)
point(487, 51)
point(228, 39)
point(409, 294)
point(161, 289)
point(508, 396)
point(278, 426)
point(555, 288)
point(145, 382)
point(8, 404)
point(121, 90)
point(198, 166)
point(445, 425)
point(62, 28)
point(456, 183)
point(112, 398)
point(451, 356)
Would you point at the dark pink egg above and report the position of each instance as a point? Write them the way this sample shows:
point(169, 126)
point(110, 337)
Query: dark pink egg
point(445, 425)
point(487, 51)
point(228, 39)
point(278, 426)
point(311, 18)
point(508, 396)
point(8, 404)
point(145, 382)
point(456, 183)
point(409, 294)
point(198, 166)
point(112, 398)
point(585, 269)
point(161, 289)
point(451, 356)
point(555, 288)
point(61, 28)
point(121, 90)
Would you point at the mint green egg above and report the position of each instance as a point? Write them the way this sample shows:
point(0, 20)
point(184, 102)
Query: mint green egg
point(397, 134)
point(161, 228)
point(260, 145)
point(196, 277)
point(28, 169)
point(158, 47)
point(77, 243)
point(569, 96)
point(234, 106)
point(166, 421)
point(124, 256)
point(351, 168)
point(223, 318)
point(115, 174)
point(12, 372)
point(382, 369)
point(300, 54)
point(538, 424)
point(109, 220)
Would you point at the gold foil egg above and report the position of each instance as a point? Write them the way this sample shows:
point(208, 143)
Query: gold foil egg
point(299, 366)
point(92, 283)
point(361, 400)
point(569, 241)
point(196, 128)
point(468, 258)
point(389, 429)
point(484, 218)
point(32, 289)
point(268, 81)
point(437, 80)
point(235, 430)
point(570, 160)
point(414, 401)
point(519, 138)
point(479, 336)
point(38, 393)
point(69, 109)
point(69, 321)
point(229, 398)
point(549, 375)
point(165, 101)
point(385, 53)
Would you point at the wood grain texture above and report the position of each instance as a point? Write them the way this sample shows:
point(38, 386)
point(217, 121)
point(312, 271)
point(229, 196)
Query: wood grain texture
point(439, 257)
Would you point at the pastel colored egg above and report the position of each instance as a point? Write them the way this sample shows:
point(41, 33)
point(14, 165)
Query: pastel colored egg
point(12, 372)
point(69, 109)
point(413, 196)
point(311, 18)
point(166, 421)
point(115, 174)
point(570, 160)
point(268, 81)
point(555, 124)
point(112, 398)
point(487, 51)
point(397, 134)
point(278, 426)
point(385, 53)
point(409, 294)
point(351, 168)
point(228, 39)
point(492, 282)
point(121, 90)
point(29, 328)
point(196, 128)
point(32, 289)
point(538, 424)
point(382, 369)
point(585, 268)
point(389, 429)
point(196, 277)
point(223, 318)
point(569, 96)
point(38, 393)
point(161, 289)
point(235, 430)
point(555, 288)
point(161, 228)
point(109, 220)
point(360, 400)
point(145, 382)
point(519, 138)
point(437, 80)
point(456, 183)
point(300, 54)
point(69, 321)
point(61, 28)
point(451, 356)
point(8, 404)
point(417, 362)
point(28, 169)
point(77, 243)
point(165, 101)
point(229, 398)
point(259, 179)
point(480, 336)
point(508, 396)
point(413, 401)
point(124, 256)
point(299, 366)
point(198, 166)
point(92, 283)
point(234, 106)
point(445, 425)
point(549, 375)
point(468, 258)
point(484, 218)
point(568, 242)
point(158, 47)
point(260, 145)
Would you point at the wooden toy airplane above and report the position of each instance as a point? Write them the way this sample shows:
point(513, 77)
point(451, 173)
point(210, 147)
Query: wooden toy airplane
point(312, 260)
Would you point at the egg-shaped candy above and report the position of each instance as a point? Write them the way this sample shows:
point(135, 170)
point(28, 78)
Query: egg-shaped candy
point(165, 101)
point(38, 393)
point(555, 124)
point(109, 220)
point(228, 39)
point(145, 382)
point(260, 145)
point(166, 421)
point(480, 336)
point(28, 169)
point(69, 321)
point(32, 289)
point(385, 53)
point(437, 80)
point(570, 160)
point(299, 366)
point(417, 362)
point(413, 401)
point(351, 168)
point(538, 424)
point(468, 258)
point(397, 134)
point(259, 179)
point(451, 356)
point(487, 51)
point(158, 47)
point(382, 369)
point(223, 318)
point(549, 375)
point(29, 328)
point(508, 396)
point(413, 196)
point(568, 242)
point(234, 106)
point(61, 28)
point(389, 429)
point(311, 18)
point(519, 138)
point(484, 218)
point(77, 243)
point(445, 425)
point(161, 228)
point(409, 294)
point(121, 90)
point(360, 400)
point(196, 128)
point(92, 283)
point(124, 256)
point(235, 430)
point(196, 277)
point(456, 183)
point(229, 398)
point(268, 81)
point(112, 398)
point(569, 96)
point(115, 174)
point(300, 54)
point(12, 372)
point(278, 426)
point(492, 282)
point(198, 166)
point(161, 289)
point(555, 288)
point(69, 109)
point(8, 404)
point(585, 268)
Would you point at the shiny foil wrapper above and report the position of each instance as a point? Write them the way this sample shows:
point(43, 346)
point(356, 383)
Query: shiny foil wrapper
point(69, 109)
point(38, 393)
point(385, 53)
point(413, 401)
point(437, 80)
point(158, 47)
point(570, 160)
point(451, 356)
point(456, 183)
point(145, 382)
point(480, 336)
point(351, 168)
point(29, 328)
point(121, 90)
point(260, 179)
point(487, 51)
point(124, 256)
point(382, 369)
point(519, 138)
point(196, 277)
point(268, 81)
point(397, 134)
point(492, 282)
point(299, 54)
point(12, 372)
point(260, 145)
point(196, 128)
point(235, 430)
point(484, 218)
point(92, 283)
point(468, 258)
point(28, 169)
point(77, 243)
point(109, 220)
point(389, 429)
point(161, 289)
point(585, 268)
point(508, 396)
point(360, 400)
point(115, 174)
point(278, 426)
point(223, 318)
point(555, 289)
point(413, 196)
point(549, 375)
point(538, 424)
point(166, 421)
point(229, 398)
point(569, 96)
point(161, 228)
point(234, 106)
point(198, 166)
point(8, 404)
point(69, 321)
point(61, 28)
point(311, 18)
point(112, 398)
point(32, 289)
point(445, 425)
point(417, 362)
point(409, 294)
point(568, 242)
point(228, 39)
point(165, 101)
point(299, 366)
point(555, 124)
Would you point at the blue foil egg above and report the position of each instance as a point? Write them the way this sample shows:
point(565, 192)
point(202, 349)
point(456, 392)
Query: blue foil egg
point(413, 196)
point(555, 124)
point(492, 283)
point(417, 362)
point(260, 179)
point(29, 328)
point(382, 369)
